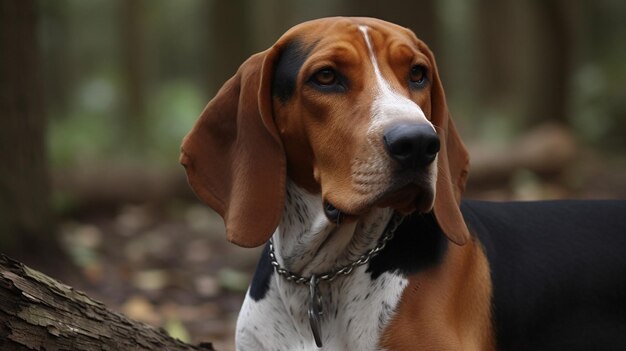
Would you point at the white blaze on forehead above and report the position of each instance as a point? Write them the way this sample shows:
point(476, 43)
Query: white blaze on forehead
point(388, 104)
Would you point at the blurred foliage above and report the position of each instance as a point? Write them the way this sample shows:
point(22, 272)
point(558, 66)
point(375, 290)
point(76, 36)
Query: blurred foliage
point(86, 84)
point(598, 94)
point(181, 52)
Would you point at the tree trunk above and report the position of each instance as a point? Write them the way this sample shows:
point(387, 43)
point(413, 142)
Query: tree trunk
point(499, 45)
point(25, 215)
point(39, 313)
point(133, 39)
point(554, 61)
point(228, 20)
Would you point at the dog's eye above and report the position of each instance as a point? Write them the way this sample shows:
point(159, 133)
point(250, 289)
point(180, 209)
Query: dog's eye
point(325, 77)
point(418, 75)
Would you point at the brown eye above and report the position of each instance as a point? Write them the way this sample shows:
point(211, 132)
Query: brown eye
point(418, 75)
point(325, 76)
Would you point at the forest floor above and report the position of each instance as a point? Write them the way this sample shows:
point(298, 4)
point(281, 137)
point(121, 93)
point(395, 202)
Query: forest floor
point(169, 267)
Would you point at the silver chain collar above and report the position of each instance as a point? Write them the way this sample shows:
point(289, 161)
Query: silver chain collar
point(315, 298)
point(390, 230)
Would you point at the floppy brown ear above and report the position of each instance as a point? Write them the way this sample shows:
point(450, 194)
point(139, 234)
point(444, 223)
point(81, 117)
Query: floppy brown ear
point(452, 164)
point(234, 157)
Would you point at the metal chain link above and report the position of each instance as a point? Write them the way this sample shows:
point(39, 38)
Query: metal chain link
point(344, 270)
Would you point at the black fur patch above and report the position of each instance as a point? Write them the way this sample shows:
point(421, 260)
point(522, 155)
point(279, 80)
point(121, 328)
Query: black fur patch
point(261, 279)
point(558, 271)
point(288, 66)
point(418, 244)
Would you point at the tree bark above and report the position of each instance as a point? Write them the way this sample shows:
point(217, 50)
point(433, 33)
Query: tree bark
point(39, 313)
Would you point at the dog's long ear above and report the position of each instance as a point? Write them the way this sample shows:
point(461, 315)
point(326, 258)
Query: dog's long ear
point(452, 164)
point(234, 157)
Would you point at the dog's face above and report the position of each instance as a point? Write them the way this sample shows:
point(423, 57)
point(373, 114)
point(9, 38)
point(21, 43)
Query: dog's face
point(348, 108)
point(351, 101)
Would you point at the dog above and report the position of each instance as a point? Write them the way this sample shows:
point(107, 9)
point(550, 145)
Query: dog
point(335, 149)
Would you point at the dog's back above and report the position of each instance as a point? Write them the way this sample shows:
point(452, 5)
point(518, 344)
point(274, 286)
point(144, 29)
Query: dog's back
point(558, 271)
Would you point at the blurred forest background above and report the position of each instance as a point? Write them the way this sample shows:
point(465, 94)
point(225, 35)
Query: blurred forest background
point(97, 95)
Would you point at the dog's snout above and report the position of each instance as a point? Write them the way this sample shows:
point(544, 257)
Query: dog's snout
point(412, 145)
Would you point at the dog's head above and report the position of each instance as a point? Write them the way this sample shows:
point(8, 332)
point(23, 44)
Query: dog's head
point(348, 108)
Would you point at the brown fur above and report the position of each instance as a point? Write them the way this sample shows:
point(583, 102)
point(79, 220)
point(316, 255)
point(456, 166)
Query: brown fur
point(446, 307)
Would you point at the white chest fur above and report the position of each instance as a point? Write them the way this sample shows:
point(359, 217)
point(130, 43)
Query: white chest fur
point(355, 307)
point(356, 310)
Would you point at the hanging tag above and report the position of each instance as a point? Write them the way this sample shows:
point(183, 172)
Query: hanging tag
point(315, 310)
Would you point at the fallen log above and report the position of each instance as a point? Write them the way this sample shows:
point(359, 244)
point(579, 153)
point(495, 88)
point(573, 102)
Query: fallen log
point(547, 151)
point(39, 313)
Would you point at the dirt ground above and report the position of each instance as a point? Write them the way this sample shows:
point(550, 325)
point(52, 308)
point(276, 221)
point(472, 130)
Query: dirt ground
point(169, 267)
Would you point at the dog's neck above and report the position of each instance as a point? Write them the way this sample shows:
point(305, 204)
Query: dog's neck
point(306, 242)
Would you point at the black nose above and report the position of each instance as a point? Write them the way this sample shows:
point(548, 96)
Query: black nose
point(412, 144)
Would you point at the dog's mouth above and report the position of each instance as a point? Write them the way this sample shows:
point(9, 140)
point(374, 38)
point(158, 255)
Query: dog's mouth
point(408, 199)
point(403, 196)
